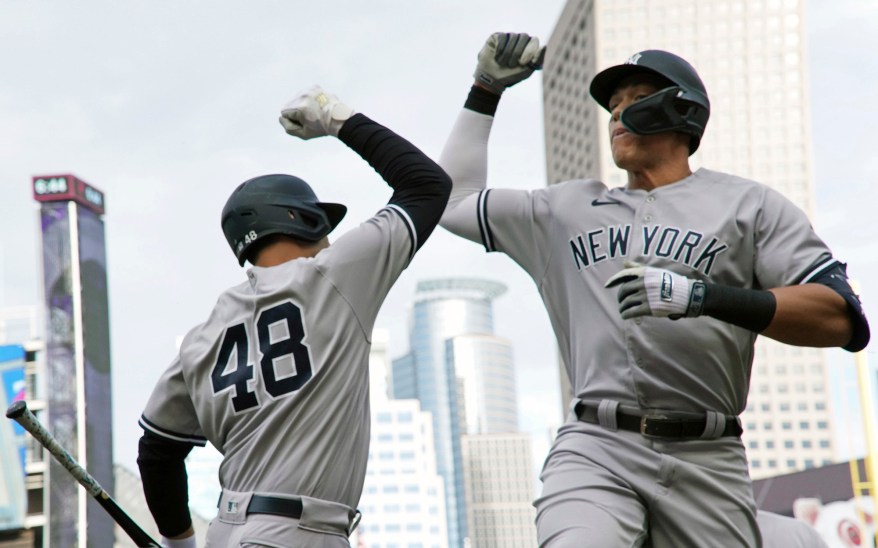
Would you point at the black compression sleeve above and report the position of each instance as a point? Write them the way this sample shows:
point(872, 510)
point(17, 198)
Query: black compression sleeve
point(751, 309)
point(165, 485)
point(419, 185)
point(482, 101)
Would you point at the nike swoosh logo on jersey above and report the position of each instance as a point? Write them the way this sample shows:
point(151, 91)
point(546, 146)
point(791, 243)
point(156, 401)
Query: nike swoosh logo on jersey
point(597, 202)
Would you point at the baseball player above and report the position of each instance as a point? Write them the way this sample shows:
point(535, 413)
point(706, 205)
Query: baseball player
point(656, 292)
point(276, 377)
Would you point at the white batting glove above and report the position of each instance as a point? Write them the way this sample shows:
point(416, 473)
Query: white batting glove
point(314, 113)
point(508, 58)
point(650, 291)
point(188, 542)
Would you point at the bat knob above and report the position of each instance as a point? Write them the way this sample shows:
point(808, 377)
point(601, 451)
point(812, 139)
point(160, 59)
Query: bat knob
point(16, 410)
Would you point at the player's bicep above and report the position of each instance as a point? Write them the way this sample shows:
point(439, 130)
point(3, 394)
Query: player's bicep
point(461, 216)
point(788, 251)
point(517, 223)
point(169, 412)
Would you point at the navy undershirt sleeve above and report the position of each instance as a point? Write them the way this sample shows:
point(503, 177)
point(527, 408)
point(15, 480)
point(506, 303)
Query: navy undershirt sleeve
point(419, 185)
point(165, 484)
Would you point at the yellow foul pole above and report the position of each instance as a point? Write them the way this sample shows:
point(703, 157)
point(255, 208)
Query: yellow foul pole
point(865, 383)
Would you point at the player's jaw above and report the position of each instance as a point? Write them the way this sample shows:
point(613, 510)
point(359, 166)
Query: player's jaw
point(630, 150)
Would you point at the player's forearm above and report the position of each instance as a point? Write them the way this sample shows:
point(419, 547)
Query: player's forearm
point(465, 159)
point(810, 315)
point(165, 485)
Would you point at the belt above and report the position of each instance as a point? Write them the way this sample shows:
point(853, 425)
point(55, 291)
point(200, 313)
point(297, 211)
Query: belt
point(657, 424)
point(261, 504)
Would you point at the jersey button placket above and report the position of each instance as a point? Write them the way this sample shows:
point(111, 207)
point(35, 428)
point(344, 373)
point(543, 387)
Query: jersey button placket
point(648, 217)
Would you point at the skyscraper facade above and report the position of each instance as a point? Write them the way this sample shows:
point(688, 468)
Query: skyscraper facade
point(444, 309)
point(463, 374)
point(499, 490)
point(403, 501)
point(751, 57)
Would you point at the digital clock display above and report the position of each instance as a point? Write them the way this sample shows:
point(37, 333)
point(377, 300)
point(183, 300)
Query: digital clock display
point(54, 188)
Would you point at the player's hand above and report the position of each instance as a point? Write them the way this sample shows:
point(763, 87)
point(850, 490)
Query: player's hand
point(314, 113)
point(508, 58)
point(650, 291)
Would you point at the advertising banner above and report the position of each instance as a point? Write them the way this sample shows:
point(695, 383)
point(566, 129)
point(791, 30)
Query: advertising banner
point(13, 498)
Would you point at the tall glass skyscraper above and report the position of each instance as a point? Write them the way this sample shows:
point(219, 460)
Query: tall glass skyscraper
point(451, 320)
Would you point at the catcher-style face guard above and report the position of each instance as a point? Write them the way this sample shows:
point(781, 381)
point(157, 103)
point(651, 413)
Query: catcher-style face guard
point(662, 111)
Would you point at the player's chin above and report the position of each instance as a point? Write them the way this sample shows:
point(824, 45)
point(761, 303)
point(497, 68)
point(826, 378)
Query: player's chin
point(624, 157)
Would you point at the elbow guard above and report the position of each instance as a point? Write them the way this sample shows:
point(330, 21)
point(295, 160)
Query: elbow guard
point(836, 278)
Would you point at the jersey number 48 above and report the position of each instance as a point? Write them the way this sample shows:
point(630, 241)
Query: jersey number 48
point(237, 340)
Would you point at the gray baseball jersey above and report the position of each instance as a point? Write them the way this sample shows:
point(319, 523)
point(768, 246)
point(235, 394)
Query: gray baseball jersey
point(277, 377)
point(573, 236)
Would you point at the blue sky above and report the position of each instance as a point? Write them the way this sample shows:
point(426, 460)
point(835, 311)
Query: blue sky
point(168, 106)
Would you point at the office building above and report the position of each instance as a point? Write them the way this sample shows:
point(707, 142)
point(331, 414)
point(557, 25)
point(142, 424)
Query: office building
point(403, 501)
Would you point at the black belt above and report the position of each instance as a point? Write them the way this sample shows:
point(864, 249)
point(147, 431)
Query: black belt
point(658, 425)
point(261, 504)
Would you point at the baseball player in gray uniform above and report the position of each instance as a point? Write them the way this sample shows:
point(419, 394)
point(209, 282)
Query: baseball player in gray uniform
point(276, 378)
point(656, 292)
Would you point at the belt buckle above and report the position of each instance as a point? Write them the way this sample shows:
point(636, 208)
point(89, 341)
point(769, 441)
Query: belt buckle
point(645, 424)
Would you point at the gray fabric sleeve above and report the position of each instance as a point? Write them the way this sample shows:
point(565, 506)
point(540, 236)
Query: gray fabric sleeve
point(366, 261)
point(170, 412)
point(500, 219)
point(787, 248)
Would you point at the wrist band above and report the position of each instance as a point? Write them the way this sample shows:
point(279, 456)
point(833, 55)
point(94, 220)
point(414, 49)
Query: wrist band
point(188, 542)
point(696, 300)
point(482, 101)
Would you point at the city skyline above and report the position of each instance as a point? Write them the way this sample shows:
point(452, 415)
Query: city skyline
point(168, 146)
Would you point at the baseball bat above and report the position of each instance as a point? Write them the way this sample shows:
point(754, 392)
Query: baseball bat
point(19, 412)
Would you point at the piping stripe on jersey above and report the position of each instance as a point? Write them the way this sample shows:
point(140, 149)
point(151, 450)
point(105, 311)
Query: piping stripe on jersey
point(409, 224)
point(819, 269)
point(144, 423)
point(482, 214)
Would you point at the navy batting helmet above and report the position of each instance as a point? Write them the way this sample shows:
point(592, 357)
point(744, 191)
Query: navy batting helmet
point(276, 204)
point(681, 106)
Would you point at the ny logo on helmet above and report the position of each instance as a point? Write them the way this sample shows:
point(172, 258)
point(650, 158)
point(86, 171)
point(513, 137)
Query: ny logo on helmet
point(634, 59)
